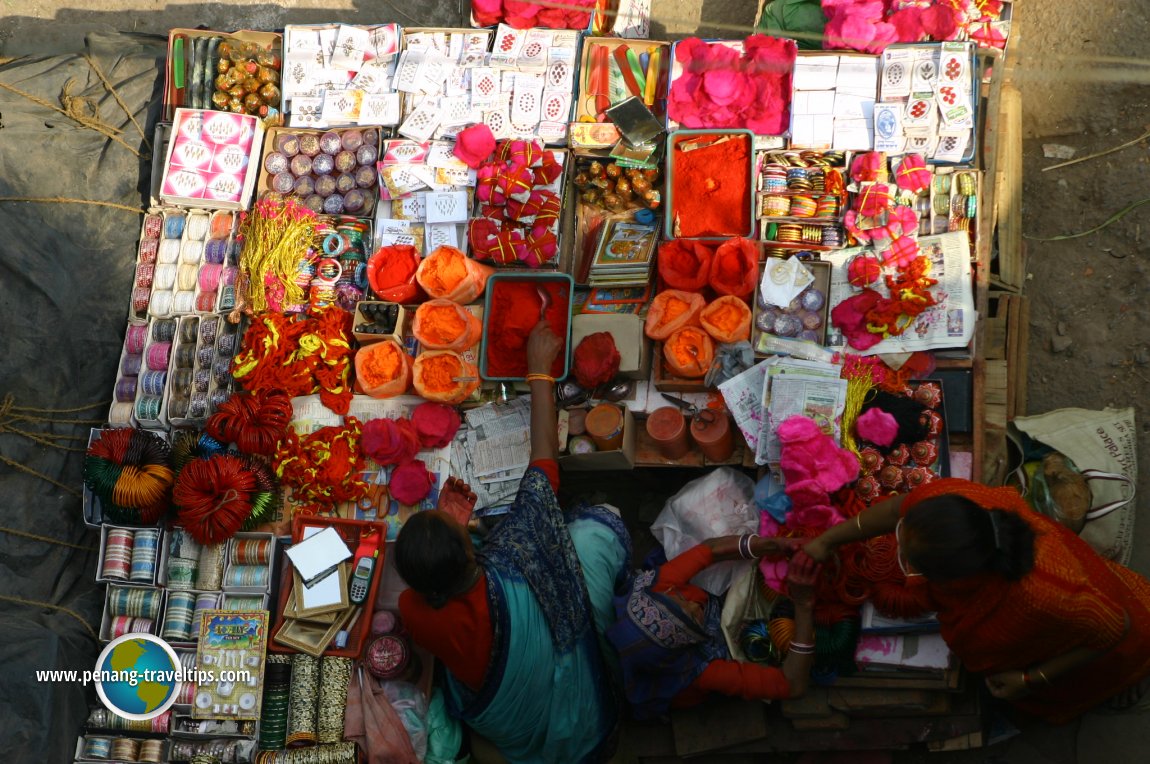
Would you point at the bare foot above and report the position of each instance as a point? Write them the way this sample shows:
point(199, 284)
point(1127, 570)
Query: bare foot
point(456, 499)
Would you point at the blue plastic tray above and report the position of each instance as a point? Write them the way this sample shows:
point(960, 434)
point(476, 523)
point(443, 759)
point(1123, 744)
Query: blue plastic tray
point(492, 281)
point(669, 208)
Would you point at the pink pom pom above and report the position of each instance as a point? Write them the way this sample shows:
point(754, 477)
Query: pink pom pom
point(877, 426)
point(410, 483)
point(435, 424)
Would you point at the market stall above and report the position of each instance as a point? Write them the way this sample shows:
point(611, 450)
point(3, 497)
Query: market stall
point(750, 252)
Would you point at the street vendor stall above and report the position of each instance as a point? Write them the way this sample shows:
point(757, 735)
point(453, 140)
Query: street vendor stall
point(757, 257)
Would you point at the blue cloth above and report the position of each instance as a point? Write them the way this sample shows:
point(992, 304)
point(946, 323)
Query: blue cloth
point(547, 696)
point(662, 649)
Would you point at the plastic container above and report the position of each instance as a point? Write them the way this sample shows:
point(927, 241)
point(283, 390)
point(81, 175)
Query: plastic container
point(567, 284)
point(605, 426)
point(669, 209)
point(668, 428)
point(711, 432)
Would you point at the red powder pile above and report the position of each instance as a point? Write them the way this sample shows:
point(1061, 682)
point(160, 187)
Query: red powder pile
point(710, 188)
point(513, 314)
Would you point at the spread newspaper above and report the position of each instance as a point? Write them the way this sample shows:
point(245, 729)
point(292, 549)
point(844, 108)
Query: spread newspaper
point(950, 324)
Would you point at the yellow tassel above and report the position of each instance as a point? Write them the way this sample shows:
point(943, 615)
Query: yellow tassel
point(276, 239)
point(858, 389)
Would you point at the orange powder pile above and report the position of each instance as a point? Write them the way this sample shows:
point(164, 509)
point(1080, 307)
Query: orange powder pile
point(381, 362)
point(444, 270)
point(442, 324)
point(437, 372)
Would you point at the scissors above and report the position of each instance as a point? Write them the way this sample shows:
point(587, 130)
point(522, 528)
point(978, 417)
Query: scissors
point(690, 409)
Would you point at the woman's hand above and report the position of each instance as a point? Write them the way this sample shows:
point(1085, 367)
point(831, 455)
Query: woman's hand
point(543, 347)
point(774, 547)
point(802, 576)
point(457, 500)
point(818, 549)
point(1008, 685)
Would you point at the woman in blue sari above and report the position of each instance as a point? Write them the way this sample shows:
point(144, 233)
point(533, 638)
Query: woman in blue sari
point(518, 622)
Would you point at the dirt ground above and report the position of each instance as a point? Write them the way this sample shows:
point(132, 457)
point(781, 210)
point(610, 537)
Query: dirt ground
point(1083, 74)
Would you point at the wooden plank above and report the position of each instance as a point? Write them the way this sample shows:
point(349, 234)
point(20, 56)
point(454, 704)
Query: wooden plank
point(890, 702)
point(1022, 361)
point(836, 721)
point(717, 724)
point(813, 704)
point(1011, 269)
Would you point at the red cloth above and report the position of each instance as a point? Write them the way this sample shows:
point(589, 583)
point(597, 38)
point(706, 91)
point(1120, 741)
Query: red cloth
point(1072, 598)
point(749, 681)
point(460, 634)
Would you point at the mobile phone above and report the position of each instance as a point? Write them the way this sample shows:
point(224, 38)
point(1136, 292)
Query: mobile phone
point(361, 579)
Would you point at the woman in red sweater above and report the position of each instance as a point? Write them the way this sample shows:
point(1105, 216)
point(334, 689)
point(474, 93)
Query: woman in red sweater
point(517, 620)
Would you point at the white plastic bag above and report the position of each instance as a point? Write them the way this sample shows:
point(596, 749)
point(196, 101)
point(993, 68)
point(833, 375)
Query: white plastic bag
point(717, 504)
point(1097, 440)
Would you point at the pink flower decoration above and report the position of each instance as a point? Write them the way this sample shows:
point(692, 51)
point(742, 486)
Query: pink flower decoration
point(863, 270)
point(486, 12)
point(877, 426)
point(850, 318)
point(912, 174)
point(721, 88)
point(541, 246)
point(908, 24)
point(904, 219)
point(869, 166)
point(873, 199)
point(902, 252)
point(940, 22)
point(474, 145)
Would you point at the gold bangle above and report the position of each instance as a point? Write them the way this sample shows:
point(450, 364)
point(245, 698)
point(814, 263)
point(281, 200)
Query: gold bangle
point(858, 521)
point(540, 378)
point(1042, 674)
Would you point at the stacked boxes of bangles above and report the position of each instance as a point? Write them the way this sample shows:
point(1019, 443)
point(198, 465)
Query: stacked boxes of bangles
point(801, 198)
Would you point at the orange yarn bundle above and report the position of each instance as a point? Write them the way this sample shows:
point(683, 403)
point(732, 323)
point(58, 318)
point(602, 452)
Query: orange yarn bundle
point(323, 468)
point(299, 356)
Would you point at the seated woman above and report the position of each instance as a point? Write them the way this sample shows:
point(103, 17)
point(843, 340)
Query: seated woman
point(668, 635)
point(517, 622)
point(1055, 628)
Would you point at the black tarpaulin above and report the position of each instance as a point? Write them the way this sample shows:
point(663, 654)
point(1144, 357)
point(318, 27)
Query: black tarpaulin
point(66, 274)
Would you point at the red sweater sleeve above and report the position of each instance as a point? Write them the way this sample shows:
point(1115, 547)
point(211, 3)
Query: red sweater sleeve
point(459, 633)
point(550, 468)
point(749, 681)
point(675, 575)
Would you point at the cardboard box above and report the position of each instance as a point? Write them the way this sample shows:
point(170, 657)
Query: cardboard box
point(229, 564)
point(263, 184)
point(822, 282)
point(269, 40)
point(402, 323)
point(208, 164)
point(627, 330)
point(384, 47)
point(622, 458)
point(106, 621)
point(104, 529)
point(592, 134)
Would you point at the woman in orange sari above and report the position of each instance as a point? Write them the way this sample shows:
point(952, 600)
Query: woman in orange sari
point(1054, 627)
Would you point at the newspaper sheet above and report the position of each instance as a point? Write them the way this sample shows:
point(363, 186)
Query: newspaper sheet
point(493, 450)
point(949, 324)
point(807, 388)
point(743, 395)
point(309, 415)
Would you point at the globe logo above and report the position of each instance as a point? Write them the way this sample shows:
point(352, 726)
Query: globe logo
point(136, 676)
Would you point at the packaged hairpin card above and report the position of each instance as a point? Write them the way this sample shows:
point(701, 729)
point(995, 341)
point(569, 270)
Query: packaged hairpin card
point(231, 646)
point(927, 102)
point(341, 75)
